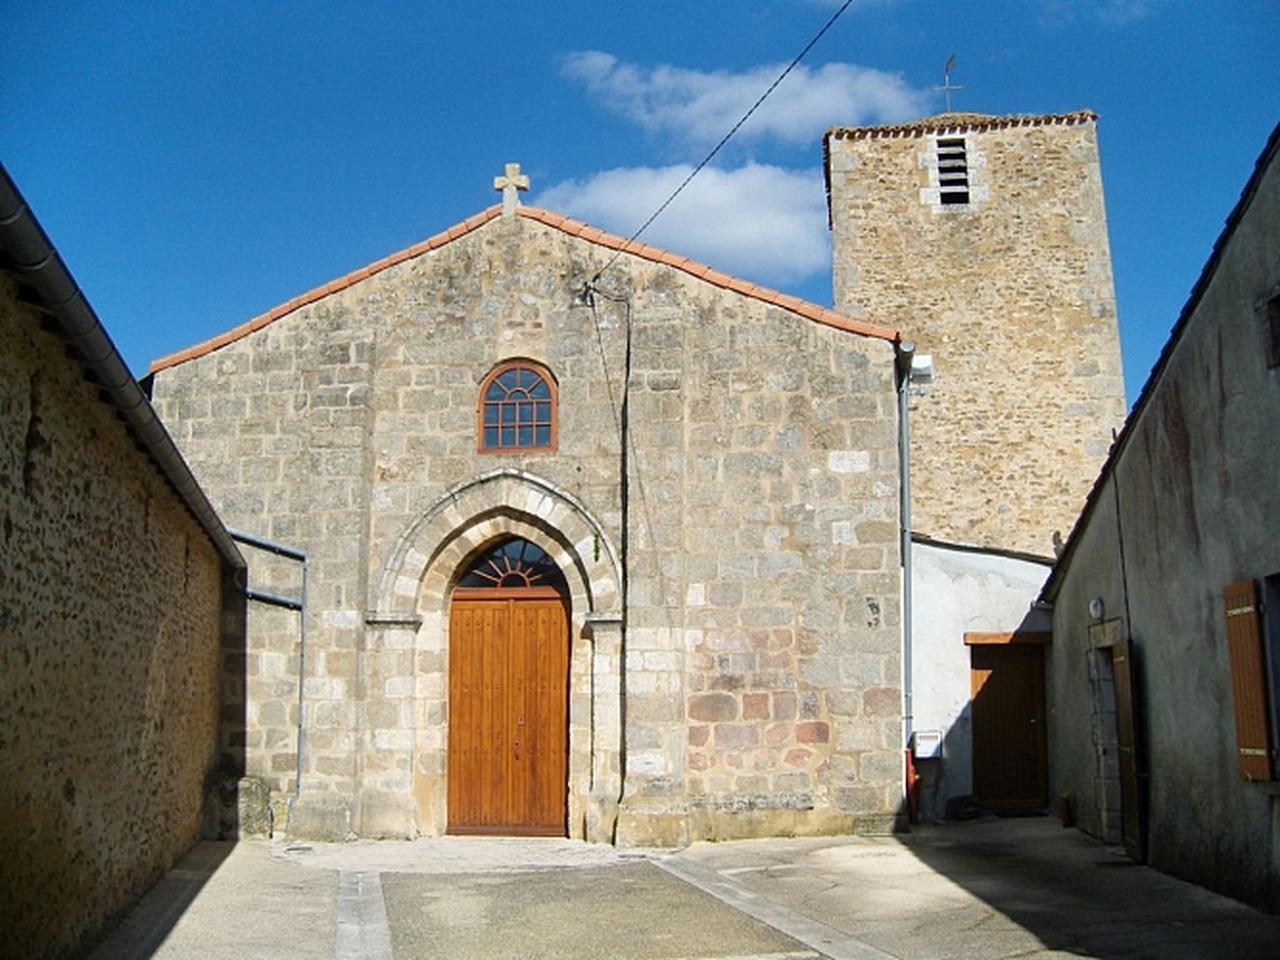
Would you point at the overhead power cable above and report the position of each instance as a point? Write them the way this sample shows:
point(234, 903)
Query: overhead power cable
point(725, 139)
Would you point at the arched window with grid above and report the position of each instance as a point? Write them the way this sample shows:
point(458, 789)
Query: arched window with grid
point(517, 408)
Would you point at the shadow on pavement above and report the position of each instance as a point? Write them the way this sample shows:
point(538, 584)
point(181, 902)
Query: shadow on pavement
point(148, 923)
point(1078, 896)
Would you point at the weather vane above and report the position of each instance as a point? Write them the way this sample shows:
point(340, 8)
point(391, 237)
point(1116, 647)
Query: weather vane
point(947, 85)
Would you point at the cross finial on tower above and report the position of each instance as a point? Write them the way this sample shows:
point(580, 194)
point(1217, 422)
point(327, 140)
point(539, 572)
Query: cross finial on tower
point(509, 183)
point(947, 85)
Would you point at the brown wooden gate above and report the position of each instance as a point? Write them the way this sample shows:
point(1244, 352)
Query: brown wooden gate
point(1010, 768)
point(1132, 807)
point(508, 702)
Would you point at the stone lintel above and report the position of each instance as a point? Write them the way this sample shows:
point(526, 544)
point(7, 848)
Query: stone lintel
point(380, 619)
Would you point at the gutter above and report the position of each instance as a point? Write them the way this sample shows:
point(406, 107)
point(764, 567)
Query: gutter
point(904, 355)
point(925, 540)
point(29, 254)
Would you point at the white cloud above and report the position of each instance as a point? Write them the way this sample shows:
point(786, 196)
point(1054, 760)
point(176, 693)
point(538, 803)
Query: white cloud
point(1115, 12)
point(765, 223)
point(701, 106)
point(1121, 12)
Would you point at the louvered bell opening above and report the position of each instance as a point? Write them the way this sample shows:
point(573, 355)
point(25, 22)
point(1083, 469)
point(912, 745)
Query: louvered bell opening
point(953, 171)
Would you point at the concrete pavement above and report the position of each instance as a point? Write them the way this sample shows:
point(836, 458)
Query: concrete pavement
point(631, 911)
point(988, 889)
point(994, 888)
point(228, 901)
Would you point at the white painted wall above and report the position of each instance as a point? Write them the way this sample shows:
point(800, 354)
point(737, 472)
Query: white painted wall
point(954, 591)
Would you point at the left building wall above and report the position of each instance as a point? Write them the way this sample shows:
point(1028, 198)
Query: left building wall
point(111, 619)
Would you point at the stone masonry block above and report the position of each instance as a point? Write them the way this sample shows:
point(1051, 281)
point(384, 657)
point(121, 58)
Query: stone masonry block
point(813, 732)
point(882, 701)
point(713, 706)
point(736, 736)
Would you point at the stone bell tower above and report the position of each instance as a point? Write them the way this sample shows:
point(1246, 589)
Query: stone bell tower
point(984, 240)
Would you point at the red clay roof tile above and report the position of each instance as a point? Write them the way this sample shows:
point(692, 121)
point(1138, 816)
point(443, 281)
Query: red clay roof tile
point(559, 222)
point(551, 219)
point(962, 121)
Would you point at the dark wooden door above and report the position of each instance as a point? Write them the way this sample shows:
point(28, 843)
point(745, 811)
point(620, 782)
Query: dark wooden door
point(508, 693)
point(1009, 745)
point(1131, 801)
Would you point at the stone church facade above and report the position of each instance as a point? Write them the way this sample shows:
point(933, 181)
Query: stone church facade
point(636, 519)
point(748, 683)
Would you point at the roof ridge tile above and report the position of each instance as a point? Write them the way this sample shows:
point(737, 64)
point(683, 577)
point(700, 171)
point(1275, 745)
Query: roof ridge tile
point(564, 224)
point(960, 121)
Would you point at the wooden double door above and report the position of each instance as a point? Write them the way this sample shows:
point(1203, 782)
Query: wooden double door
point(508, 713)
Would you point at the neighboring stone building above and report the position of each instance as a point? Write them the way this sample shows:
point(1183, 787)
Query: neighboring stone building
point(118, 586)
point(748, 683)
point(1165, 676)
point(983, 239)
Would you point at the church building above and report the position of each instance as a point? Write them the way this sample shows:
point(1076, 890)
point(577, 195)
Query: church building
point(593, 540)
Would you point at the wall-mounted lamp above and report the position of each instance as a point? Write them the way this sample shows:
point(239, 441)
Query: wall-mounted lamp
point(922, 368)
point(1096, 608)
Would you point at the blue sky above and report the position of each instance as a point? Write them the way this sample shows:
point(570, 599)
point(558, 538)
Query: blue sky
point(198, 163)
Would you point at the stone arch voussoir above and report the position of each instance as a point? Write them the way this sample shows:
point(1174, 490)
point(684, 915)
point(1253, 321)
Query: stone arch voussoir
point(502, 502)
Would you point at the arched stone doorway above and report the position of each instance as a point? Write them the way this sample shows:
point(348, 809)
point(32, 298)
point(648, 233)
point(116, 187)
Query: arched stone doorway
point(508, 746)
point(411, 609)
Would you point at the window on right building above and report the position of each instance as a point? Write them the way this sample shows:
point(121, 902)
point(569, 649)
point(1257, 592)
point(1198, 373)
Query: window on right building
point(1252, 656)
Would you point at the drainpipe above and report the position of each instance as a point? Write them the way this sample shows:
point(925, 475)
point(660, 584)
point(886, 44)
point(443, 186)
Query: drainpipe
point(298, 603)
point(905, 354)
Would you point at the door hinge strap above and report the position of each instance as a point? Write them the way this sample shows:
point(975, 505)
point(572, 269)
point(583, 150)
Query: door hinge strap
point(1238, 611)
point(1253, 752)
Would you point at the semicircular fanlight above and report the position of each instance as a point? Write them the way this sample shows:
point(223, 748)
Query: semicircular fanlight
point(514, 563)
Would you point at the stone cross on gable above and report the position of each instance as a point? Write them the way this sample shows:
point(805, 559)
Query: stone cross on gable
point(509, 183)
